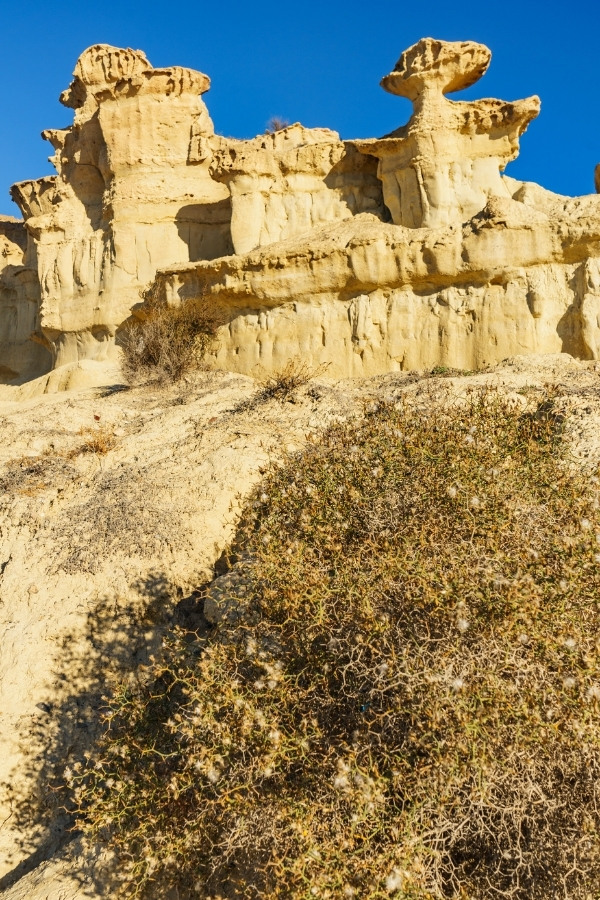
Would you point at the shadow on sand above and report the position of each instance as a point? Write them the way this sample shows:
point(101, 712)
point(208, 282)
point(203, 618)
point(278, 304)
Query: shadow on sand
point(117, 638)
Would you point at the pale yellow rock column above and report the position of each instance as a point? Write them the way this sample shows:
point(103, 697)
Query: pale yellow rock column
point(444, 165)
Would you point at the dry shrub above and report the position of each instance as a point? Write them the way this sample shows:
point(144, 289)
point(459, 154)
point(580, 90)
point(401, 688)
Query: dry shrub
point(282, 384)
point(276, 123)
point(170, 341)
point(407, 702)
point(97, 439)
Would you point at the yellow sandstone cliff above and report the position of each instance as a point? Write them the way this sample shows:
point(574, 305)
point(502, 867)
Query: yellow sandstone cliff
point(371, 256)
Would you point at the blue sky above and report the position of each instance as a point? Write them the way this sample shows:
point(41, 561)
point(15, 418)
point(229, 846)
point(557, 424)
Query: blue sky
point(318, 63)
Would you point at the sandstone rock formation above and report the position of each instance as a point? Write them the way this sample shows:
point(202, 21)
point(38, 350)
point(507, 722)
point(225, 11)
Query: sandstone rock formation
point(133, 192)
point(19, 306)
point(288, 182)
point(443, 166)
point(475, 267)
point(406, 251)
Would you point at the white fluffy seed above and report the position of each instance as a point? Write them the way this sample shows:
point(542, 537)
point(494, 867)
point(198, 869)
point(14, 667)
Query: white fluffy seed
point(394, 881)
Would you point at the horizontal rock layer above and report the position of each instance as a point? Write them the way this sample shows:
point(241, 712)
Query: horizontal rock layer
point(367, 297)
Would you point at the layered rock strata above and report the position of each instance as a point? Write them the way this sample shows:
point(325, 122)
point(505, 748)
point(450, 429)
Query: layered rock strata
point(475, 266)
point(407, 251)
point(510, 281)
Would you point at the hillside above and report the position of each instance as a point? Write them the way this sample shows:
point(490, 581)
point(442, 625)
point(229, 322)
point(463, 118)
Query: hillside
point(117, 505)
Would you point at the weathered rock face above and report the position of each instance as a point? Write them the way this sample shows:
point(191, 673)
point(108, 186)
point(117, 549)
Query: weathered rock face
point(286, 183)
point(132, 193)
point(19, 307)
point(475, 267)
point(511, 280)
point(407, 251)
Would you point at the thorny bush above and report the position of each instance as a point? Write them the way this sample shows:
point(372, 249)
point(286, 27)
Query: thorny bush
point(408, 703)
point(169, 341)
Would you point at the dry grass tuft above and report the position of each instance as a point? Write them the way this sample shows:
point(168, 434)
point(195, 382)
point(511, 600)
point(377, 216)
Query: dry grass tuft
point(402, 696)
point(97, 439)
point(170, 341)
point(282, 384)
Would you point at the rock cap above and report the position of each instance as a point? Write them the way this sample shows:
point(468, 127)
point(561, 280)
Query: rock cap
point(449, 65)
point(103, 71)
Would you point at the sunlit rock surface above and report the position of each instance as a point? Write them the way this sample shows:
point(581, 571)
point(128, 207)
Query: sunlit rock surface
point(370, 256)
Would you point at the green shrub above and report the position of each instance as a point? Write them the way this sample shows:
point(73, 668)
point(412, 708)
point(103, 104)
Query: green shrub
point(402, 697)
point(169, 341)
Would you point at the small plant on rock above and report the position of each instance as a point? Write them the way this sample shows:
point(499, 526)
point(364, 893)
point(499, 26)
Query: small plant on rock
point(276, 123)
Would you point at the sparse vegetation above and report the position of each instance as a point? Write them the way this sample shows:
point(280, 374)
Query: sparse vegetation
point(406, 702)
point(449, 372)
point(30, 476)
point(128, 514)
point(98, 438)
point(276, 123)
point(282, 384)
point(170, 341)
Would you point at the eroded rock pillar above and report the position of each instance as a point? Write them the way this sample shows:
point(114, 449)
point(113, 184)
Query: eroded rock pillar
point(133, 193)
point(443, 166)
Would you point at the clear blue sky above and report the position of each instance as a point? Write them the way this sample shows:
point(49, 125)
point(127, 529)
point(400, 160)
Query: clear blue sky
point(318, 63)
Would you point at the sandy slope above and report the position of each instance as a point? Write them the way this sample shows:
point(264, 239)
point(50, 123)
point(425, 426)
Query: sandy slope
point(99, 552)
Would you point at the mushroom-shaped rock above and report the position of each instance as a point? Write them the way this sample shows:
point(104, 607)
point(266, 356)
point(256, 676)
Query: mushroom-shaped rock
point(443, 166)
point(104, 72)
point(443, 65)
point(100, 66)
